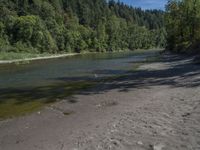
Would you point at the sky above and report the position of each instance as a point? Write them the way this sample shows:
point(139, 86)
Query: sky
point(147, 4)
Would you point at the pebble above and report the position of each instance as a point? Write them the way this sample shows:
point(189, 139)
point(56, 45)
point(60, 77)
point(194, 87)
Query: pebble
point(139, 143)
point(158, 147)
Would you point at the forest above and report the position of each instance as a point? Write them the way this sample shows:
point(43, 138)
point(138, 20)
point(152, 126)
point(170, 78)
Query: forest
point(182, 21)
point(76, 26)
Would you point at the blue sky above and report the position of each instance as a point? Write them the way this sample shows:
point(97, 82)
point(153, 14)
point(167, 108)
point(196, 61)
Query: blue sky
point(147, 4)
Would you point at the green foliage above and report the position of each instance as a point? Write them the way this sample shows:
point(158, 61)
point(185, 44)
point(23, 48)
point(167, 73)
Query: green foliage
point(183, 25)
point(57, 26)
point(24, 28)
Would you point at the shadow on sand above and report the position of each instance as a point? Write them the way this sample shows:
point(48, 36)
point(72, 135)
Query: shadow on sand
point(180, 73)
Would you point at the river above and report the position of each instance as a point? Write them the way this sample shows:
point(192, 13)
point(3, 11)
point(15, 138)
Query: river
point(85, 66)
point(27, 87)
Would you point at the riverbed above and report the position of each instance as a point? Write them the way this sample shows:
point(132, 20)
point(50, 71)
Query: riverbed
point(155, 107)
point(27, 87)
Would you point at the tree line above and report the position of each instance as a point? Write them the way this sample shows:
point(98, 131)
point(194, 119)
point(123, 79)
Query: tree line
point(183, 25)
point(60, 26)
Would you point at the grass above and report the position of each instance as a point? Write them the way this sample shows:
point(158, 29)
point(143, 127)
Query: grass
point(18, 102)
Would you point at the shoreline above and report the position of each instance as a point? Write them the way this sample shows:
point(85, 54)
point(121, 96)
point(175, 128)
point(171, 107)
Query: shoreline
point(129, 113)
point(37, 58)
point(2, 62)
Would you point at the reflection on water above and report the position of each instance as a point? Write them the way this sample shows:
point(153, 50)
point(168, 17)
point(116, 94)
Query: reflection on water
point(25, 88)
point(46, 72)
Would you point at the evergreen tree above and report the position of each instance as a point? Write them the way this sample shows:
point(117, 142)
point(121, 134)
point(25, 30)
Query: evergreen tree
point(183, 25)
point(57, 26)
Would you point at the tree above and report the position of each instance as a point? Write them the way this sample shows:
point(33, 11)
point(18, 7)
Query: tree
point(183, 24)
point(57, 26)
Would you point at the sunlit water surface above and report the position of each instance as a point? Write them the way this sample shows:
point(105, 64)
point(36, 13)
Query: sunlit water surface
point(80, 67)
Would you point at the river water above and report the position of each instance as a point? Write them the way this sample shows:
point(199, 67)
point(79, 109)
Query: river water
point(28, 87)
point(80, 67)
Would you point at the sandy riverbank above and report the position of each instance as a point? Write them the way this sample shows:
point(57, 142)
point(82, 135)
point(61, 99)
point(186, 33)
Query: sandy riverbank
point(64, 55)
point(155, 108)
point(36, 58)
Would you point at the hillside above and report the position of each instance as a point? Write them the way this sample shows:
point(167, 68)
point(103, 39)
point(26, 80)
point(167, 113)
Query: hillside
point(63, 26)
